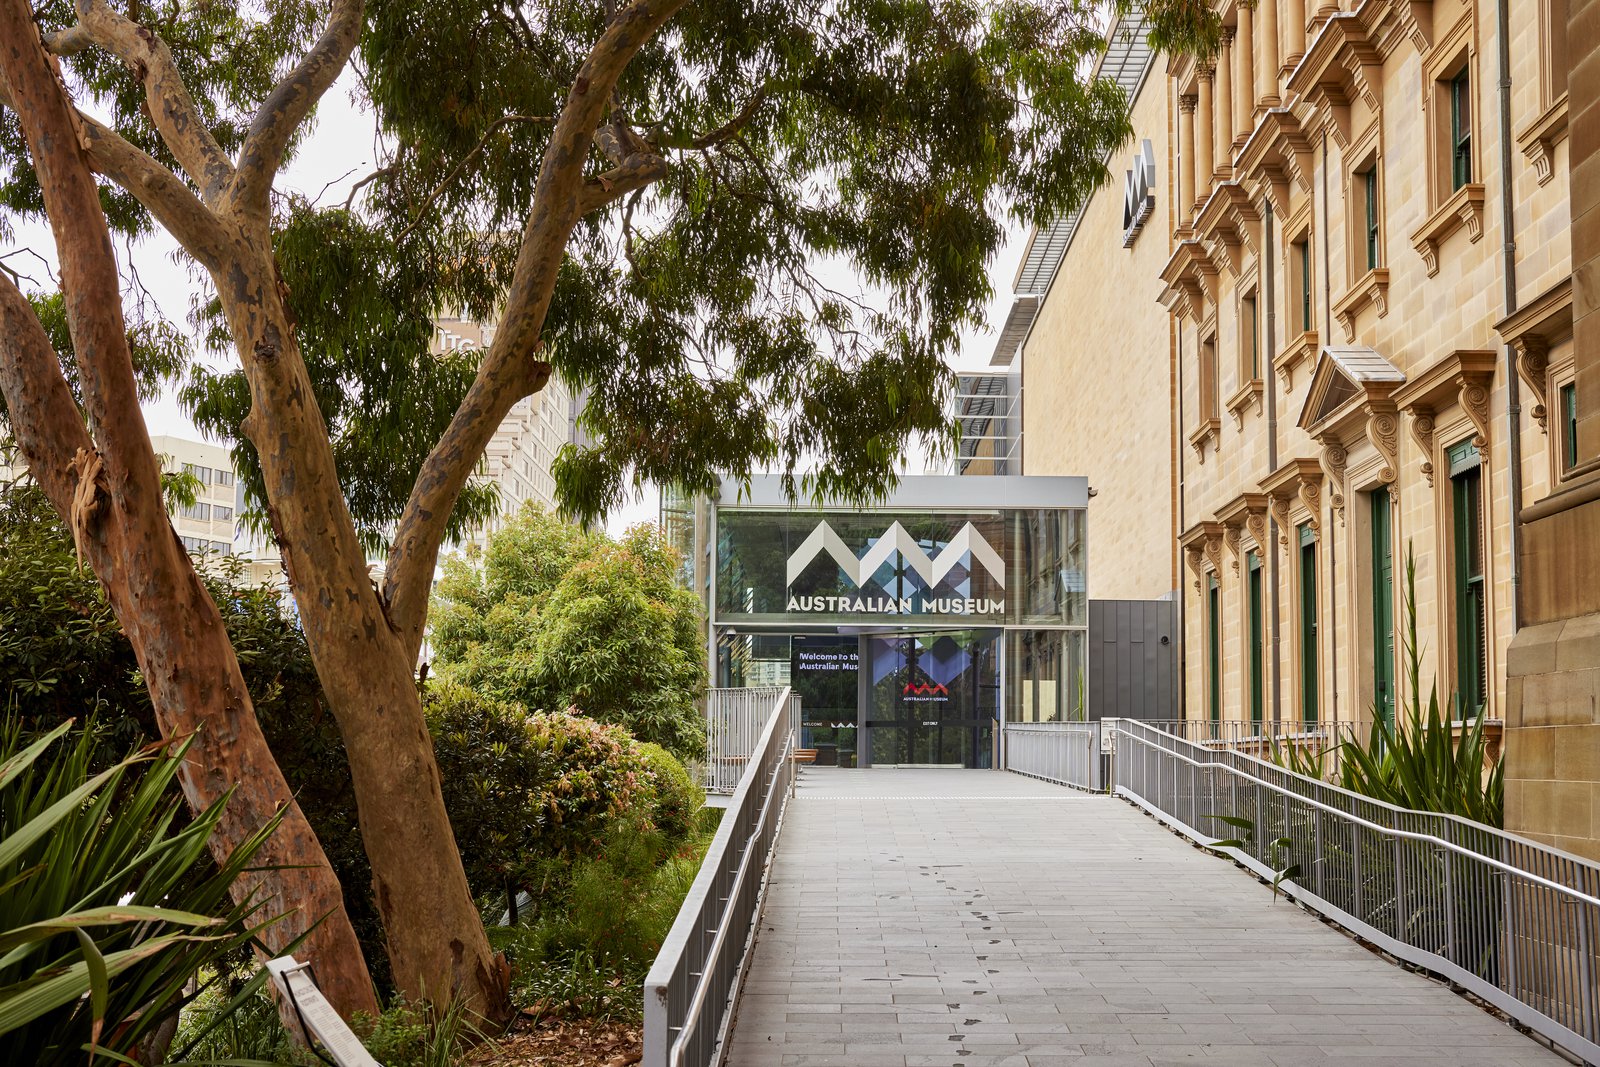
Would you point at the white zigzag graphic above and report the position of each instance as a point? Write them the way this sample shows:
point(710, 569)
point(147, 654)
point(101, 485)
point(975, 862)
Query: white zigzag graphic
point(895, 539)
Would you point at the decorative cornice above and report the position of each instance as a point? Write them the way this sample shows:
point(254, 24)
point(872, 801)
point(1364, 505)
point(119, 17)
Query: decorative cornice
point(1462, 377)
point(1298, 477)
point(1209, 431)
point(1203, 542)
point(1245, 513)
point(1538, 325)
point(1539, 139)
point(1279, 154)
point(1373, 288)
point(1341, 64)
point(1246, 397)
point(1464, 207)
point(1297, 351)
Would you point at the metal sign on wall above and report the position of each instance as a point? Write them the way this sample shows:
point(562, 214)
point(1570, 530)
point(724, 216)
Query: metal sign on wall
point(968, 547)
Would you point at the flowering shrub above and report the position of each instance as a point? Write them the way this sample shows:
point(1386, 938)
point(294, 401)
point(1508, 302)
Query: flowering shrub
point(530, 794)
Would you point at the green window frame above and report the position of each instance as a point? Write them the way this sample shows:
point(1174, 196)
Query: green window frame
point(1258, 669)
point(1303, 251)
point(1460, 129)
point(1308, 624)
point(1569, 426)
point(1214, 647)
point(1471, 586)
point(1383, 666)
point(1252, 336)
point(1370, 179)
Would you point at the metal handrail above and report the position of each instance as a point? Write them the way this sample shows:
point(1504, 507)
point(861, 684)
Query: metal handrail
point(735, 719)
point(1410, 835)
point(689, 992)
point(1067, 753)
point(1509, 919)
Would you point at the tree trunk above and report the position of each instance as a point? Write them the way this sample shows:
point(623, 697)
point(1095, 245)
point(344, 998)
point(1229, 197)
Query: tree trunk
point(435, 936)
point(111, 499)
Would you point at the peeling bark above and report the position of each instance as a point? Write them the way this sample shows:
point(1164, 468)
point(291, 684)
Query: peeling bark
point(109, 493)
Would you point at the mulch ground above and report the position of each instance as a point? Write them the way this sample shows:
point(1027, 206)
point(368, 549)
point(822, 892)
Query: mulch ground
point(553, 1042)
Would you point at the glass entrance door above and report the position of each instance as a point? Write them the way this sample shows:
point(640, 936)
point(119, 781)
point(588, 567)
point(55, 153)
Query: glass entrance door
point(933, 698)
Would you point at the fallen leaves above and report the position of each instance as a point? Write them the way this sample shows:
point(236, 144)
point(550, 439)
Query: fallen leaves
point(563, 1043)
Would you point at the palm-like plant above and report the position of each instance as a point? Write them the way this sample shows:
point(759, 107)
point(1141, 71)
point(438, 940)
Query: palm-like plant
point(1427, 763)
point(109, 906)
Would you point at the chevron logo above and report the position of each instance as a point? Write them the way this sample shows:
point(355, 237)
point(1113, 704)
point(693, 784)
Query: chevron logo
point(933, 689)
point(896, 539)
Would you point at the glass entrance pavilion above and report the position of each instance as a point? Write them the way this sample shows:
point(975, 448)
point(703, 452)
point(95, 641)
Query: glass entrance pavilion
point(913, 630)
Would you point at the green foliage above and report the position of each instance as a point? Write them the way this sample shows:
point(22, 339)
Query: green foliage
point(111, 905)
point(1278, 850)
point(677, 799)
point(63, 655)
point(894, 143)
point(1425, 762)
point(527, 794)
point(588, 952)
point(553, 617)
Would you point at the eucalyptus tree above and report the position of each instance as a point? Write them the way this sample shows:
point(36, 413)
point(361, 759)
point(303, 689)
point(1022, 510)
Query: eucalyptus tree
point(654, 198)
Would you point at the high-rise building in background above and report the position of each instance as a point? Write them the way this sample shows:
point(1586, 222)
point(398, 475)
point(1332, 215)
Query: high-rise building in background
point(211, 523)
point(521, 455)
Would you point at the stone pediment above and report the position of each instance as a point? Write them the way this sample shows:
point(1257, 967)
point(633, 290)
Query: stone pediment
point(1280, 154)
point(1340, 66)
point(1351, 391)
point(1346, 380)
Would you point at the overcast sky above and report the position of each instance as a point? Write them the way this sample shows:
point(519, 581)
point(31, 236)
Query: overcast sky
point(338, 152)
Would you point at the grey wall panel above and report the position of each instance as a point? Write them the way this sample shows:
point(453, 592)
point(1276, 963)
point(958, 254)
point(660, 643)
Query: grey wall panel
point(1133, 659)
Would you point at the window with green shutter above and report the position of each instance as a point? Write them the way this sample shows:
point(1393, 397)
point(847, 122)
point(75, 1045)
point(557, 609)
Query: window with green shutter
point(1569, 426)
point(1308, 624)
point(1257, 625)
point(1370, 181)
point(1460, 130)
point(1471, 591)
point(1383, 673)
point(1302, 251)
point(1214, 647)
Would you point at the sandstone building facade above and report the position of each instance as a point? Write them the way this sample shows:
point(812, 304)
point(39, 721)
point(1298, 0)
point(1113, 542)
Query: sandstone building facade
point(1376, 238)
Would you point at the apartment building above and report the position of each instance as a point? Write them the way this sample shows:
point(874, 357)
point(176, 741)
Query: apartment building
point(521, 455)
point(210, 524)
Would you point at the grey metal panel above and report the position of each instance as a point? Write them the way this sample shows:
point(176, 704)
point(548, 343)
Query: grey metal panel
point(1132, 673)
point(946, 492)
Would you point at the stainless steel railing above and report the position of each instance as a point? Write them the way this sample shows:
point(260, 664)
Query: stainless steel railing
point(1509, 919)
point(1068, 753)
point(734, 721)
point(688, 994)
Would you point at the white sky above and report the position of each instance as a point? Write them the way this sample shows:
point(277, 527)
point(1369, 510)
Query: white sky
point(338, 152)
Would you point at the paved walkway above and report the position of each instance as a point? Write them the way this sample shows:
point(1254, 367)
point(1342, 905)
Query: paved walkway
point(977, 918)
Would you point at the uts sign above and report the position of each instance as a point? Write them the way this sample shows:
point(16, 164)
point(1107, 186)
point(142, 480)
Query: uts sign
point(967, 547)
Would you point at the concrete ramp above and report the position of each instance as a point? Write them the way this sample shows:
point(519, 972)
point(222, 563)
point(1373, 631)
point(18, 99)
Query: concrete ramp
point(930, 918)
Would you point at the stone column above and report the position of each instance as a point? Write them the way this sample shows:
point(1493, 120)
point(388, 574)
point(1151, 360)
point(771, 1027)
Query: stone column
point(1222, 95)
point(1244, 93)
point(1267, 55)
point(1204, 125)
point(1294, 31)
point(1186, 161)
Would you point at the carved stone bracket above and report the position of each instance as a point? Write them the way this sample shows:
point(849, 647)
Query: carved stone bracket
point(1196, 556)
point(1533, 363)
point(1463, 209)
point(1383, 430)
point(1475, 402)
point(1373, 288)
point(1231, 537)
point(1334, 457)
point(1244, 516)
point(1297, 478)
point(1422, 430)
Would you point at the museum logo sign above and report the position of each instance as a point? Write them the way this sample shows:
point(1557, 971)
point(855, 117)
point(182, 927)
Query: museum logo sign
point(968, 546)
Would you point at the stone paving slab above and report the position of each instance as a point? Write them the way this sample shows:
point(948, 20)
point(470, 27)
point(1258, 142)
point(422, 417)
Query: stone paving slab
point(926, 918)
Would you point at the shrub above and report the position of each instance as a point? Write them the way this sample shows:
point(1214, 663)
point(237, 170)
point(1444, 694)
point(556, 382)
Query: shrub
point(552, 617)
point(111, 906)
point(529, 793)
point(675, 798)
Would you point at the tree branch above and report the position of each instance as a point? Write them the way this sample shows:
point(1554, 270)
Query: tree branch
point(636, 172)
point(455, 172)
point(89, 281)
point(739, 121)
point(509, 370)
point(290, 101)
point(44, 417)
point(171, 107)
